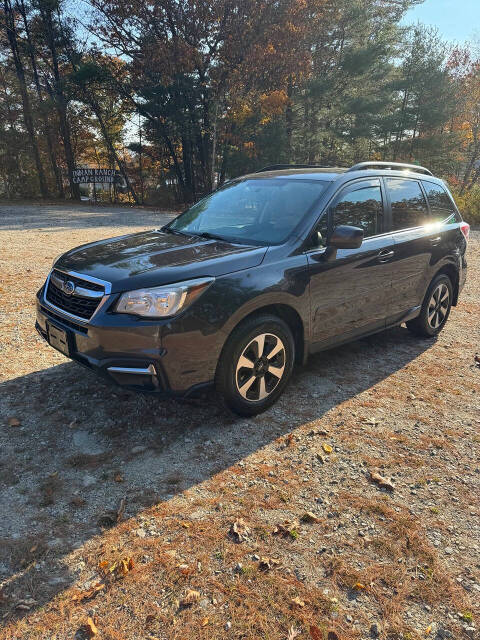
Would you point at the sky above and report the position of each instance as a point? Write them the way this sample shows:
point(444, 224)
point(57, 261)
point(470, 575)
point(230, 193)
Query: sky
point(457, 20)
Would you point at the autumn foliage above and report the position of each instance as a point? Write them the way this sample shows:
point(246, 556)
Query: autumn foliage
point(178, 96)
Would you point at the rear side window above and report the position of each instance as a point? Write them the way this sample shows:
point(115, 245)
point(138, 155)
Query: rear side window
point(409, 207)
point(441, 205)
point(361, 207)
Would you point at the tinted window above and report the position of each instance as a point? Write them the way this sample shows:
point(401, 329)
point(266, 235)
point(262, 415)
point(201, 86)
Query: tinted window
point(360, 208)
point(409, 207)
point(440, 203)
point(258, 210)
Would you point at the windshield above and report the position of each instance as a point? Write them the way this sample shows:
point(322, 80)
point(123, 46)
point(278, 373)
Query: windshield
point(257, 211)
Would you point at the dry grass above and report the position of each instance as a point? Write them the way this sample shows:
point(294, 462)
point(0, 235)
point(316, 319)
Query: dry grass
point(370, 557)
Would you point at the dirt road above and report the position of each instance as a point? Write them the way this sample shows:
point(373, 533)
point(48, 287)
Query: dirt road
point(369, 563)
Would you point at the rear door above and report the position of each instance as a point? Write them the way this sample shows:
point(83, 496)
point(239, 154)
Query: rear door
point(416, 240)
point(350, 294)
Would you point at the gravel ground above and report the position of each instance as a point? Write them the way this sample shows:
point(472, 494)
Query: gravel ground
point(392, 564)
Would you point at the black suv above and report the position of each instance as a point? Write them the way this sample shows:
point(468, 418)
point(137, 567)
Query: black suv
point(269, 268)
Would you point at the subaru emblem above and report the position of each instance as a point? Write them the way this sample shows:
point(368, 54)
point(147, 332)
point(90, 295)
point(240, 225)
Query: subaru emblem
point(68, 287)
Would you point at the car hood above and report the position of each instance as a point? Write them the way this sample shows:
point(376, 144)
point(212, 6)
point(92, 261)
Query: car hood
point(152, 258)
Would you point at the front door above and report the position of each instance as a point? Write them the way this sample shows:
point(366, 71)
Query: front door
point(350, 294)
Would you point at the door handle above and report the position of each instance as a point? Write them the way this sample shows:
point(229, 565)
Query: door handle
point(385, 255)
point(436, 240)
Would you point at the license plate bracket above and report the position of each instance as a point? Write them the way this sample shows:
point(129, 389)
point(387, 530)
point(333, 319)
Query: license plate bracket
point(58, 339)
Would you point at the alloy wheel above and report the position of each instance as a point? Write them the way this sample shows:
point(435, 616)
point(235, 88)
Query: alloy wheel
point(260, 367)
point(438, 306)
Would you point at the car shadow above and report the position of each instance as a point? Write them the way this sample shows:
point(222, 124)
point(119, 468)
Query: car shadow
point(73, 447)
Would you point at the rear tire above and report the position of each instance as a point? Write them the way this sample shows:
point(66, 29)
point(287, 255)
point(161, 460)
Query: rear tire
point(436, 308)
point(256, 364)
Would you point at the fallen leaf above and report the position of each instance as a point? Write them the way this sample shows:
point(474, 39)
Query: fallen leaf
point(190, 597)
point(327, 448)
point(185, 569)
point(287, 528)
point(149, 619)
point(428, 630)
point(13, 422)
point(310, 517)
point(359, 586)
point(111, 518)
point(77, 501)
point(315, 633)
point(25, 605)
point(239, 531)
point(119, 568)
point(289, 440)
point(125, 566)
point(205, 621)
point(186, 525)
point(293, 633)
point(382, 482)
point(267, 563)
point(90, 628)
point(34, 548)
point(297, 602)
point(118, 477)
point(89, 593)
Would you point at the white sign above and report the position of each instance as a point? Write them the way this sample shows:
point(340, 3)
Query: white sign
point(99, 176)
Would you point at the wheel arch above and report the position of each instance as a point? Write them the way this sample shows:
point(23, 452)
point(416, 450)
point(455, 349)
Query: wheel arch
point(452, 272)
point(285, 312)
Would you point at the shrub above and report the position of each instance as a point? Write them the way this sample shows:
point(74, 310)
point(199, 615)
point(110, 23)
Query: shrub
point(469, 205)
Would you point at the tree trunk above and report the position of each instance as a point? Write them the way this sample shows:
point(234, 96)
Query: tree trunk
point(289, 120)
point(471, 165)
point(27, 111)
point(48, 129)
point(115, 157)
point(59, 96)
point(16, 160)
point(401, 126)
point(188, 168)
point(214, 145)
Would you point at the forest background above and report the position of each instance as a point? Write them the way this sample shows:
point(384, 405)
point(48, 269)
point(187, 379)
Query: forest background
point(179, 95)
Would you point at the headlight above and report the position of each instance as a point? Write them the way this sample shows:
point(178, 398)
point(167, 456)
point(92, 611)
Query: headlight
point(162, 302)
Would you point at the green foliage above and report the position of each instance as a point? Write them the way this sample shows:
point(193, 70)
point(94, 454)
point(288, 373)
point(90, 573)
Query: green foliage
point(469, 204)
point(204, 93)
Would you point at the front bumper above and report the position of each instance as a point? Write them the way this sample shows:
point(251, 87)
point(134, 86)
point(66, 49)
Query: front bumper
point(131, 352)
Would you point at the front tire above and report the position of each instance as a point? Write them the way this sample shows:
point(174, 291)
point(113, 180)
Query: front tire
point(256, 364)
point(436, 308)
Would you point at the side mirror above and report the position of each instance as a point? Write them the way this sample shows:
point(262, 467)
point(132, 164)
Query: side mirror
point(346, 237)
point(317, 239)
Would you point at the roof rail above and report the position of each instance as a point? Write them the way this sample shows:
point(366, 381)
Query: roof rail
point(390, 165)
point(279, 167)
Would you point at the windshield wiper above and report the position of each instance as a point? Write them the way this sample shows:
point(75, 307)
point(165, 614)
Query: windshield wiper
point(175, 232)
point(210, 236)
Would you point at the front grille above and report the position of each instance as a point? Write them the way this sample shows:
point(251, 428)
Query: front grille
point(79, 282)
point(81, 307)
